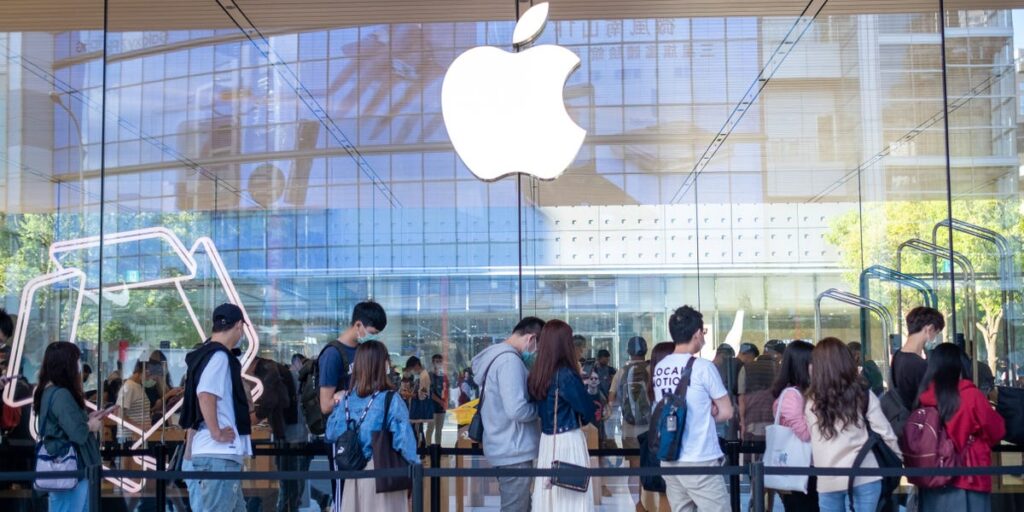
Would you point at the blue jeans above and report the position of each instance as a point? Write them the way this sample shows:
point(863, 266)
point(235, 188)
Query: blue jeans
point(71, 500)
point(220, 495)
point(865, 498)
point(195, 497)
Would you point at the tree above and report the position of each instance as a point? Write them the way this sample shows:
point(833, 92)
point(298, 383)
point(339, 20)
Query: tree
point(885, 226)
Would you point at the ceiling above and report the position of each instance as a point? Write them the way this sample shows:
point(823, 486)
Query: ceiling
point(125, 15)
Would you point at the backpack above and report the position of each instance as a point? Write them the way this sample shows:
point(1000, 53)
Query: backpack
point(925, 444)
point(636, 404)
point(885, 457)
point(895, 410)
point(348, 450)
point(309, 389)
point(669, 420)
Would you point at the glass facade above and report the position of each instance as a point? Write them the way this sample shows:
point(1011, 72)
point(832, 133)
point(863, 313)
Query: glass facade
point(743, 164)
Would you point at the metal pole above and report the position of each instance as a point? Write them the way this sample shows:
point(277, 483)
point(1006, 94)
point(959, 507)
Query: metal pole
point(732, 450)
point(757, 486)
point(435, 482)
point(92, 473)
point(416, 474)
point(160, 451)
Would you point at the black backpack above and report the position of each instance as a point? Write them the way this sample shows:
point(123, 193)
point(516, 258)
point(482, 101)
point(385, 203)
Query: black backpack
point(348, 451)
point(309, 389)
point(886, 458)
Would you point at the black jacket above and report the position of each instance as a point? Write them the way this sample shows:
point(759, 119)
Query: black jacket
point(191, 417)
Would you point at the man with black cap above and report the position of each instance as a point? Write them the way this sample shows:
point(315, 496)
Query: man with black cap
point(217, 409)
point(630, 391)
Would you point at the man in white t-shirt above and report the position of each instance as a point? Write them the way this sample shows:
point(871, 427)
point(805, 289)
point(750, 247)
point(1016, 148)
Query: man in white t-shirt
point(217, 408)
point(707, 401)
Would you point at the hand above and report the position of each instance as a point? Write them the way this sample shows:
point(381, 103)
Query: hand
point(714, 410)
point(226, 435)
point(95, 423)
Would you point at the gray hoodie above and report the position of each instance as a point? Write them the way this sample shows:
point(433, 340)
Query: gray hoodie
point(511, 427)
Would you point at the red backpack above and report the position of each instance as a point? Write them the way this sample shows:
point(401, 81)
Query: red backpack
point(925, 444)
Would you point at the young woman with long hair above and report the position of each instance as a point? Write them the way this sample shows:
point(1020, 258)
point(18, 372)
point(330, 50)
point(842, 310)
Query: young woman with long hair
point(788, 391)
point(970, 422)
point(365, 399)
point(838, 412)
point(63, 424)
point(555, 379)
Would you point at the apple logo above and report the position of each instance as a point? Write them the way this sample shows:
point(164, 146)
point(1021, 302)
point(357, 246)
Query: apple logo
point(504, 111)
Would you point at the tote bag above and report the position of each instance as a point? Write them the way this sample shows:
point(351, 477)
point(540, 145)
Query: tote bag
point(386, 457)
point(783, 449)
point(49, 463)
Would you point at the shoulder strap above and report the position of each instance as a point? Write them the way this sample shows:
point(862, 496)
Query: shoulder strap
point(483, 382)
point(41, 429)
point(864, 450)
point(684, 380)
point(778, 409)
point(387, 410)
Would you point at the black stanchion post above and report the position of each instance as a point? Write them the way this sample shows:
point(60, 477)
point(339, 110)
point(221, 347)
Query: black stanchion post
point(160, 452)
point(732, 451)
point(757, 486)
point(416, 474)
point(92, 474)
point(435, 482)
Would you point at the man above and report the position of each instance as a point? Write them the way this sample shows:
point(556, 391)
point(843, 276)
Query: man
point(754, 388)
point(217, 408)
point(605, 371)
point(924, 329)
point(440, 389)
point(707, 402)
point(296, 435)
point(729, 369)
point(629, 392)
point(511, 427)
point(580, 342)
point(134, 403)
point(748, 353)
point(368, 321)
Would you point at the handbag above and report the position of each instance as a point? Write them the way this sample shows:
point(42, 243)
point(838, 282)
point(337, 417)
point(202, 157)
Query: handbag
point(652, 483)
point(669, 419)
point(386, 457)
point(348, 451)
point(50, 463)
point(574, 482)
point(475, 432)
point(783, 449)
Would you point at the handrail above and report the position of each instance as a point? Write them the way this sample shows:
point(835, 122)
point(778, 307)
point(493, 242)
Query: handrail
point(883, 273)
point(862, 303)
point(1007, 273)
point(970, 298)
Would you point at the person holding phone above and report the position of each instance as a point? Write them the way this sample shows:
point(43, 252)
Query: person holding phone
point(59, 405)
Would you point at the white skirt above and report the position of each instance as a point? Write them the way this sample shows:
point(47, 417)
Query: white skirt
point(572, 448)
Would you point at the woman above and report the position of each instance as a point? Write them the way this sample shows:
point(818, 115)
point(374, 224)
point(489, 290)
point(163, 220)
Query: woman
point(972, 425)
point(59, 406)
point(788, 391)
point(369, 391)
point(554, 382)
point(835, 413)
point(657, 354)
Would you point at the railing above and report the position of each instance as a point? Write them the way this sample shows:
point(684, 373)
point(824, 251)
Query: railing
point(755, 471)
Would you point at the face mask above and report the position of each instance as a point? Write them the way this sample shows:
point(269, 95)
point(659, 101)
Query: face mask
point(367, 336)
point(934, 342)
point(150, 383)
point(530, 354)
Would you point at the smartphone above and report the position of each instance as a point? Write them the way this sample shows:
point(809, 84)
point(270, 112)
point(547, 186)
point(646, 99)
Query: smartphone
point(108, 411)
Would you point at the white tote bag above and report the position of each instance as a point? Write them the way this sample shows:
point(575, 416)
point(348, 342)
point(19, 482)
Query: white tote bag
point(783, 449)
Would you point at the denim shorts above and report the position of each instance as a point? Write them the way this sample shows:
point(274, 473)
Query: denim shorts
point(218, 495)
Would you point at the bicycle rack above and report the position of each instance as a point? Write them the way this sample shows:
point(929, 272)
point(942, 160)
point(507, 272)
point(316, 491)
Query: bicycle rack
point(864, 304)
point(883, 273)
point(970, 297)
point(1007, 272)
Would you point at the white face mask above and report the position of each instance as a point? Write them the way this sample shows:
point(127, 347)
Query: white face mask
point(933, 342)
point(367, 336)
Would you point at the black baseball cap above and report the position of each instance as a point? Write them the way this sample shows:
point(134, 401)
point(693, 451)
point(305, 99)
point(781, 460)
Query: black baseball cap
point(749, 348)
point(226, 315)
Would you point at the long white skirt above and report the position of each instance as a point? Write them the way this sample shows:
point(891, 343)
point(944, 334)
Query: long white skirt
point(572, 448)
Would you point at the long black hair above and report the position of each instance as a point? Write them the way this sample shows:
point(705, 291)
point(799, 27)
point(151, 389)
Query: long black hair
point(796, 361)
point(60, 368)
point(945, 369)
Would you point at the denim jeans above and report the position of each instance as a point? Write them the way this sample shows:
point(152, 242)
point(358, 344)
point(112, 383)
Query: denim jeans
point(220, 495)
point(71, 500)
point(865, 498)
point(195, 498)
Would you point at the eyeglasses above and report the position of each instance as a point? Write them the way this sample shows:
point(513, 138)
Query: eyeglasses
point(704, 331)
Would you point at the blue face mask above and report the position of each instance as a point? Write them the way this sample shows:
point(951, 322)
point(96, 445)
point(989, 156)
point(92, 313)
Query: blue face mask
point(530, 356)
point(367, 336)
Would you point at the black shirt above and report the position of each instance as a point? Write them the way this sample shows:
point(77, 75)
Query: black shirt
point(907, 373)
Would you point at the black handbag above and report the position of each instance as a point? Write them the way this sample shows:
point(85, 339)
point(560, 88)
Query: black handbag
point(1010, 405)
point(385, 456)
point(652, 483)
point(348, 451)
point(475, 432)
point(885, 457)
point(573, 481)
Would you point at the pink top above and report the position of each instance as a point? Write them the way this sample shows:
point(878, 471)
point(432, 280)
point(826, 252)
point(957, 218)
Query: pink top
point(790, 409)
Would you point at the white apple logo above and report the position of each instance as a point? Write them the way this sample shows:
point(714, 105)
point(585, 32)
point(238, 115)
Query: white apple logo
point(504, 111)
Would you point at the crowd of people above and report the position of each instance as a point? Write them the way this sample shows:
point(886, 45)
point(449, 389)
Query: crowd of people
point(537, 392)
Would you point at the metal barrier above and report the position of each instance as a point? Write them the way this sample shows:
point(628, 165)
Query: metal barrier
point(756, 471)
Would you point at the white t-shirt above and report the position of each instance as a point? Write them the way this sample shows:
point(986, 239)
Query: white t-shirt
point(216, 380)
point(700, 438)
